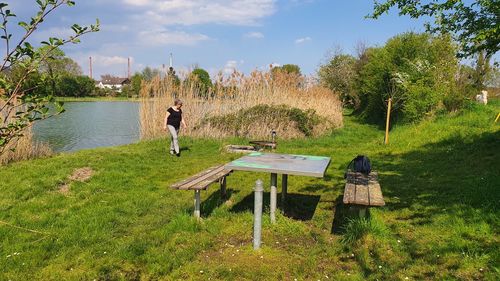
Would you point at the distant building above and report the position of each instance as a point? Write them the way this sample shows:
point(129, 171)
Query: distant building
point(113, 83)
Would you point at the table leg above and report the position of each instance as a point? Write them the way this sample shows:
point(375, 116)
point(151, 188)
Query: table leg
point(274, 183)
point(197, 203)
point(284, 191)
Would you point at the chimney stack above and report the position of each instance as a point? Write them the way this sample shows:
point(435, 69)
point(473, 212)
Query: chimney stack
point(128, 73)
point(90, 67)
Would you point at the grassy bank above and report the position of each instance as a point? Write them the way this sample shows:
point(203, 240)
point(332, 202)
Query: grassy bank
point(440, 180)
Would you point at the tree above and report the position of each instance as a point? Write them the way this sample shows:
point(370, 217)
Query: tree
point(135, 84)
point(75, 86)
point(149, 73)
point(474, 24)
point(56, 66)
point(417, 71)
point(339, 74)
point(286, 69)
point(21, 106)
point(172, 76)
point(200, 79)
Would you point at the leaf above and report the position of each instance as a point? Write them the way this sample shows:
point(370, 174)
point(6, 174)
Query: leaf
point(23, 25)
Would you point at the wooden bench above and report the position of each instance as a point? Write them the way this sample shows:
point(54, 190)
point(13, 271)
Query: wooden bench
point(363, 191)
point(201, 181)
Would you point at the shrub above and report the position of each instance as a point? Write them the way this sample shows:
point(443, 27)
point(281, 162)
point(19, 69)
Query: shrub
point(415, 70)
point(243, 122)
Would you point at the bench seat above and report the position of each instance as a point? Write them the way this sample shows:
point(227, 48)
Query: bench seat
point(363, 190)
point(201, 181)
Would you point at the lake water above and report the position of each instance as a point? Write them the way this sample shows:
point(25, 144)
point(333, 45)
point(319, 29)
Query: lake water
point(90, 124)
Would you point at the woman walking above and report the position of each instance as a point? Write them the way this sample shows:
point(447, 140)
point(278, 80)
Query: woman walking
point(173, 120)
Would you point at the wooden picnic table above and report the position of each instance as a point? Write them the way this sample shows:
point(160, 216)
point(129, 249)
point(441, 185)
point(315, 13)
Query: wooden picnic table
point(284, 164)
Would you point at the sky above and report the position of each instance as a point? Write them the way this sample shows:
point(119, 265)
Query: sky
point(217, 35)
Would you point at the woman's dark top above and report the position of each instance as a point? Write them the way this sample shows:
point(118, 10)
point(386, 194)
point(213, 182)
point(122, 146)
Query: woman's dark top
point(175, 117)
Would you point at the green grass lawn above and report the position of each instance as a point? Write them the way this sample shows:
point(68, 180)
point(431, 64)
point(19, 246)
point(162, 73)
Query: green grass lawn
point(440, 180)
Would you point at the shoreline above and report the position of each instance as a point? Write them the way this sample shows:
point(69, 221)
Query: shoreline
point(92, 99)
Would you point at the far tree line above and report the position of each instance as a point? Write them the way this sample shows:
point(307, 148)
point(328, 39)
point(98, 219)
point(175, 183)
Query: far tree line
point(61, 76)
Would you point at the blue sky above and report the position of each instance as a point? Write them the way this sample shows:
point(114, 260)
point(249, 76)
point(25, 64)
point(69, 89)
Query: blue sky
point(217, 35)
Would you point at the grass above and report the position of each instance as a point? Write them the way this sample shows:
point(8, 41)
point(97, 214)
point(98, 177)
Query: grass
point(440, 180)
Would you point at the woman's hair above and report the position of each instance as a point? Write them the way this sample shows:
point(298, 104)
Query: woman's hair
point(177, 102)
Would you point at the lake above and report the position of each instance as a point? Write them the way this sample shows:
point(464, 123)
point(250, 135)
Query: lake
point(90, 124)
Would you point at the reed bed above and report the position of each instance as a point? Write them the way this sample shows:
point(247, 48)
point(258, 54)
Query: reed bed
point(233, 94)
point(22, 147)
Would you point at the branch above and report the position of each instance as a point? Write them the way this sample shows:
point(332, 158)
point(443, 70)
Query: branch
point(39, 19)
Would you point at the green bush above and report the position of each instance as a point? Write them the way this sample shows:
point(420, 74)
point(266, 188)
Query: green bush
point(259, 114)
point(415, 70)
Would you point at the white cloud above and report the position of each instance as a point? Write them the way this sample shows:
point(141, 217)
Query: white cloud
point(230, 66)
point(165, 37)
point(59, 32)
point(254, 35)
point(102, 64)
point(302, 40)
point(192, 12)
point(138, 2)
point(110, 60)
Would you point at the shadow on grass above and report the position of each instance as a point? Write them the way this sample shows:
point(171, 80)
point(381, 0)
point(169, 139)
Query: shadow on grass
point(455, 175)
point(214, 201)
point(343, 213)
point(299, 206)
point(458, 176)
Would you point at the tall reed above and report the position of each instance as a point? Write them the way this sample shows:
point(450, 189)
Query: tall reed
point(232, 94)
point(24, 148)
point(21, 147)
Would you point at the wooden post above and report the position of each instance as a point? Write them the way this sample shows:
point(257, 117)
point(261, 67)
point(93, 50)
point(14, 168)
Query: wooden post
point(223, 188)
point(362, 211)
point(387, 121)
